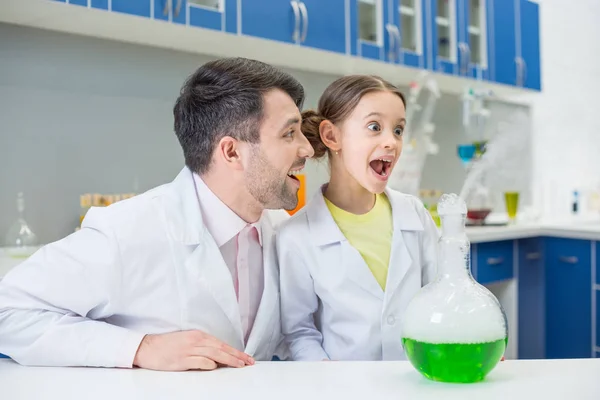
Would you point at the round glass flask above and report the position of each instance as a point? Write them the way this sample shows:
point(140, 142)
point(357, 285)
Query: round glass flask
point(455, 329)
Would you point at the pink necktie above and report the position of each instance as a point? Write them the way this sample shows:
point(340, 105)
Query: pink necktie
point(249, 276)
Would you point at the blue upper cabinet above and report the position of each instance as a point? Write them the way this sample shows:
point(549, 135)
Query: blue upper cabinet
point(503, 55)
point(271, 19)
point(324, 25)
point(312, 23)
point(443, 19)
point(220, 15)
point(474, 38)
point(488, 40)
point(372, 35)
point(529, 74)
point(408, 19)
point(142, 8)
point(515, 45)
point(568, 298)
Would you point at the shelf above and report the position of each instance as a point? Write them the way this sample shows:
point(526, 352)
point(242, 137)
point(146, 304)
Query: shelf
point(407, 11)
point(473, 30)
point(442, 21)
point(90, 22)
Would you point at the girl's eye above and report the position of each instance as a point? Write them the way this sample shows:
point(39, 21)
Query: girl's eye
point(374, 126)
point(289, 134)
point(399, 131)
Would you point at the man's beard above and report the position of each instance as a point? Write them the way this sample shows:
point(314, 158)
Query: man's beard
point(265, 183)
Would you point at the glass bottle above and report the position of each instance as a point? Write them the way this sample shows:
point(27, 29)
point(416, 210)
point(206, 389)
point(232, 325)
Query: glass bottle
point(20, 239)
point(480, 204)
point(455, 329)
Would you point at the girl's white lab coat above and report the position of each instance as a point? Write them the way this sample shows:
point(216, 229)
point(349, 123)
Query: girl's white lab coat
point(144, 265)
point(332, 306)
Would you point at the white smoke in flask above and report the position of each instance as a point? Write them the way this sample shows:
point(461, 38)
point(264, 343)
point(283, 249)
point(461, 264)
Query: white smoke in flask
point(454, 308)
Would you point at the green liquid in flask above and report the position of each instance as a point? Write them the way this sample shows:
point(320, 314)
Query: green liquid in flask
point(454, 362)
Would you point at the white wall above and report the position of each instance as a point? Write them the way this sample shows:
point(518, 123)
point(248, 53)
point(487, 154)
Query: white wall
point(81, 115)
point(566, 141)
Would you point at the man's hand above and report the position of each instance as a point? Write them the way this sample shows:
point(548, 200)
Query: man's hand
point(181, 351)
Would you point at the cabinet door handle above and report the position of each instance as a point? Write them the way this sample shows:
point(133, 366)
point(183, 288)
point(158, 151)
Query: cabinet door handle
point(304, 13)
point(533, 256)
point(465, 55)
point(166, 7)
point(392, 37)
point(519, 67)
point(468, 59)
point(398, 42)
point(461, 55)
point(178, 8)
point(569, 260)
point(296, 10)
point(495, 260)
point(523, 72)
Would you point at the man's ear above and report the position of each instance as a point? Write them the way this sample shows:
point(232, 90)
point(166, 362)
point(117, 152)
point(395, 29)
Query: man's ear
point(228, 151)
point(330, 135)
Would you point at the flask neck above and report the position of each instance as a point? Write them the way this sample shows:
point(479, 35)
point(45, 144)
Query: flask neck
point(454, 249)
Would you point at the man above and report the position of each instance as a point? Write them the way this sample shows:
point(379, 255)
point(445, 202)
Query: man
point(185, 275)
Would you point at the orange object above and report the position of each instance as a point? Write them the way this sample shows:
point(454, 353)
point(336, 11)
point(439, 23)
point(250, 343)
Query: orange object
point(301, 194)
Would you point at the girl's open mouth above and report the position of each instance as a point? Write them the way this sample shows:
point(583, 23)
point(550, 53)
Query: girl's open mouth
point(381, 167)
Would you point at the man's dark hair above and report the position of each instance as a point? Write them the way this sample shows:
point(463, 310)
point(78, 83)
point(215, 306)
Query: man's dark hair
point(225, 97)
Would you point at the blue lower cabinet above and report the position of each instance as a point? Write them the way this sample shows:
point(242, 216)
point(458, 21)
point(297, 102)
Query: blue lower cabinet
point(142, 8)
point(597, 266)
point(531, 299)
point(568, 298)
point(494, 261)
point(598, 318)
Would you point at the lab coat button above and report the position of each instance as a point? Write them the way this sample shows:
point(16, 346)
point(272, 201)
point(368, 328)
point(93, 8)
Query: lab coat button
point(391, 320)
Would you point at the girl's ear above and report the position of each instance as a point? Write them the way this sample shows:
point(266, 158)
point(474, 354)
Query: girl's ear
point(330, 135)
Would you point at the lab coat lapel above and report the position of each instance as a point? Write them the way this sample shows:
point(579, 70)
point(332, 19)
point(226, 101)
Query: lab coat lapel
point(266, 308)
point(325, 232)
point(205, 262)
point(207, 265)
point(406, 222)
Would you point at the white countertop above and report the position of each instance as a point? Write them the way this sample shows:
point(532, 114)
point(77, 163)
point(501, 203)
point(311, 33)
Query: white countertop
point(588, 229)
point(576, 229)
point(539, 379)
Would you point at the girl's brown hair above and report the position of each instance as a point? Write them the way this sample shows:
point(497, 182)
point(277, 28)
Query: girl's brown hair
point(337, 103)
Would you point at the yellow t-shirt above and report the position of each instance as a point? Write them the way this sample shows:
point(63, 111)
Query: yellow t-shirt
point(370, 234)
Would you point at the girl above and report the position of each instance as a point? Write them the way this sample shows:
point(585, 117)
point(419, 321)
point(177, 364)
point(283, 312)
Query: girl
point(355, 255)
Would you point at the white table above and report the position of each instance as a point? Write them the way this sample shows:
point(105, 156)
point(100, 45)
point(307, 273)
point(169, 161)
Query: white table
point(537, 380)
